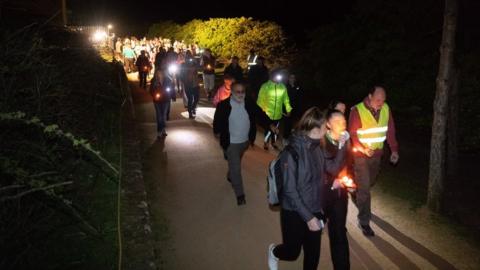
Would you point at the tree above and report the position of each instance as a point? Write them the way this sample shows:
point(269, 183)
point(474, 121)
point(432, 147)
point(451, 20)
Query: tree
point(188, 30)
point(165, 29)
point(227, 37)
point(444, 83)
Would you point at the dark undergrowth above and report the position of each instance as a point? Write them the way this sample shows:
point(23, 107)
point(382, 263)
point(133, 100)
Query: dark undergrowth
point(59, 151)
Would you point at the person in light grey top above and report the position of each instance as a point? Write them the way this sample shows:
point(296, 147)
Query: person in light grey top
point(234, 124)
point(239, 123)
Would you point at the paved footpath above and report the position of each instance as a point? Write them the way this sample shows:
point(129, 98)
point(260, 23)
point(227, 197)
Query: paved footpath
point(185, 175)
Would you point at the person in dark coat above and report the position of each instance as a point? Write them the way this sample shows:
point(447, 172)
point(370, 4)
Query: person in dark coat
point(160, 59)
point(294, 94)
point(302, 199)
point(234, 123)
point(189, 78)
point(257, 75)
point(144, 66)
point(234, 70)
point(161, 90)
point(336, 192)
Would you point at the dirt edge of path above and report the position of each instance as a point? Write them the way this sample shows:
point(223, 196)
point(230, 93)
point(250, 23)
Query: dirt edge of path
point(138, 251)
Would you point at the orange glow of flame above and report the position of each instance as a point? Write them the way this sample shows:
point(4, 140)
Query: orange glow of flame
point(209, 67)
point(157, 96)
point(355, 150)
point(145, 68)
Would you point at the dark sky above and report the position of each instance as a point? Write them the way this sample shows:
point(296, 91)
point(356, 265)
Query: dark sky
point(134, 16)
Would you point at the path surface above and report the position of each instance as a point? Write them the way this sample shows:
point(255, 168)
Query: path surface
point(186, 183)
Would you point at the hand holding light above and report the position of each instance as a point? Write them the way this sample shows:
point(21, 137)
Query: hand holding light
point(344, 137)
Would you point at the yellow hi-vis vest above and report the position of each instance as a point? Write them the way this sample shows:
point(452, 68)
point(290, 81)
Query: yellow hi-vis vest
point(372, 134)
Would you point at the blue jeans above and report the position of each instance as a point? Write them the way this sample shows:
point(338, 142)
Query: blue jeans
point(161, 109)
point(192, 96)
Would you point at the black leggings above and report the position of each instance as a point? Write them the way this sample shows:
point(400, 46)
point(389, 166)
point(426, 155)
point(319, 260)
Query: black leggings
point(336, 213)
point(296, 235)
point(143, 78)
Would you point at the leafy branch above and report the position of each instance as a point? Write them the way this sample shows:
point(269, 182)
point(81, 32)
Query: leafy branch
point(79, 144)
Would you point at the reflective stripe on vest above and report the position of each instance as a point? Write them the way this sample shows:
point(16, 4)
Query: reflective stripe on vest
point(253, 62)
point(373, 133)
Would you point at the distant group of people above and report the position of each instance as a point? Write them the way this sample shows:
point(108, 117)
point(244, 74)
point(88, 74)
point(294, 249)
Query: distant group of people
point(129, 49)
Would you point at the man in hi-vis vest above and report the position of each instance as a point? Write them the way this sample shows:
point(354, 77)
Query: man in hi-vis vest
point(370, 125)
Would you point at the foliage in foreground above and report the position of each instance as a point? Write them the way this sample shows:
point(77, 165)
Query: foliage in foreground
point(59, 121)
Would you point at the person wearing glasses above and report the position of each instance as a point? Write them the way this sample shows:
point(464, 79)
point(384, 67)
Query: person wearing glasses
point(234, 124)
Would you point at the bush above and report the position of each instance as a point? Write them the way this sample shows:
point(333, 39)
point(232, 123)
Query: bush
point(227, 37)
point(59, 144)
point(166, 29)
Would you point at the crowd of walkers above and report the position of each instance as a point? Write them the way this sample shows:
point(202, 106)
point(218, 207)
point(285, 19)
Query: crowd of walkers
point(317, 180)
point(328, 157)
point(330, 150)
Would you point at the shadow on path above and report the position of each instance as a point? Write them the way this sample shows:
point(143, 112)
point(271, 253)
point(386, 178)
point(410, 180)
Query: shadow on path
point(396, 256)
point(362, 255)
point(408, 242)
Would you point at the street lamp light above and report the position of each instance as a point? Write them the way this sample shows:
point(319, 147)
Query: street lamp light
point(109, 38)
point(99, 36)
point(109, 27)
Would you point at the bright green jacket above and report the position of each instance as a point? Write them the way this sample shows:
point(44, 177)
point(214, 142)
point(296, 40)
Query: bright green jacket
point(271, 97)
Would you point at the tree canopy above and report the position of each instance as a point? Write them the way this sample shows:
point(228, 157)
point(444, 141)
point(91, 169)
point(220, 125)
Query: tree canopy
point(227, 37)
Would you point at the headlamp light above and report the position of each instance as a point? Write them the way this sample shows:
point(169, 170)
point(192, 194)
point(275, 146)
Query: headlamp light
point(173, 68)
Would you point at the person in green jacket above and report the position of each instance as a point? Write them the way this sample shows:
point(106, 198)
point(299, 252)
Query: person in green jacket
point(272, 97)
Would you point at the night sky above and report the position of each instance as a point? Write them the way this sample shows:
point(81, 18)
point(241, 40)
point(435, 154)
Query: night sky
point(134, 17)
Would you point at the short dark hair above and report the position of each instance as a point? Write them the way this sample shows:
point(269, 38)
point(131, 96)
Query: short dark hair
point(334, 104)
point(331, 112)
point(374, 87)
point(238, 83)
point(227, 77)
point(235, 58)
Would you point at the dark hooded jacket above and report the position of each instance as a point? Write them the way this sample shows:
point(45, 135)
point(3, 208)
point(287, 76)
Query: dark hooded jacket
point(303, 190)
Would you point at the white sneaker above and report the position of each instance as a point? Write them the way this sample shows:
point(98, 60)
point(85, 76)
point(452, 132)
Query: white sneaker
point(272, 260)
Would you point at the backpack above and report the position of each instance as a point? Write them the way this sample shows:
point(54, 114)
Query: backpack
point(275, 179)
point(162, 92)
